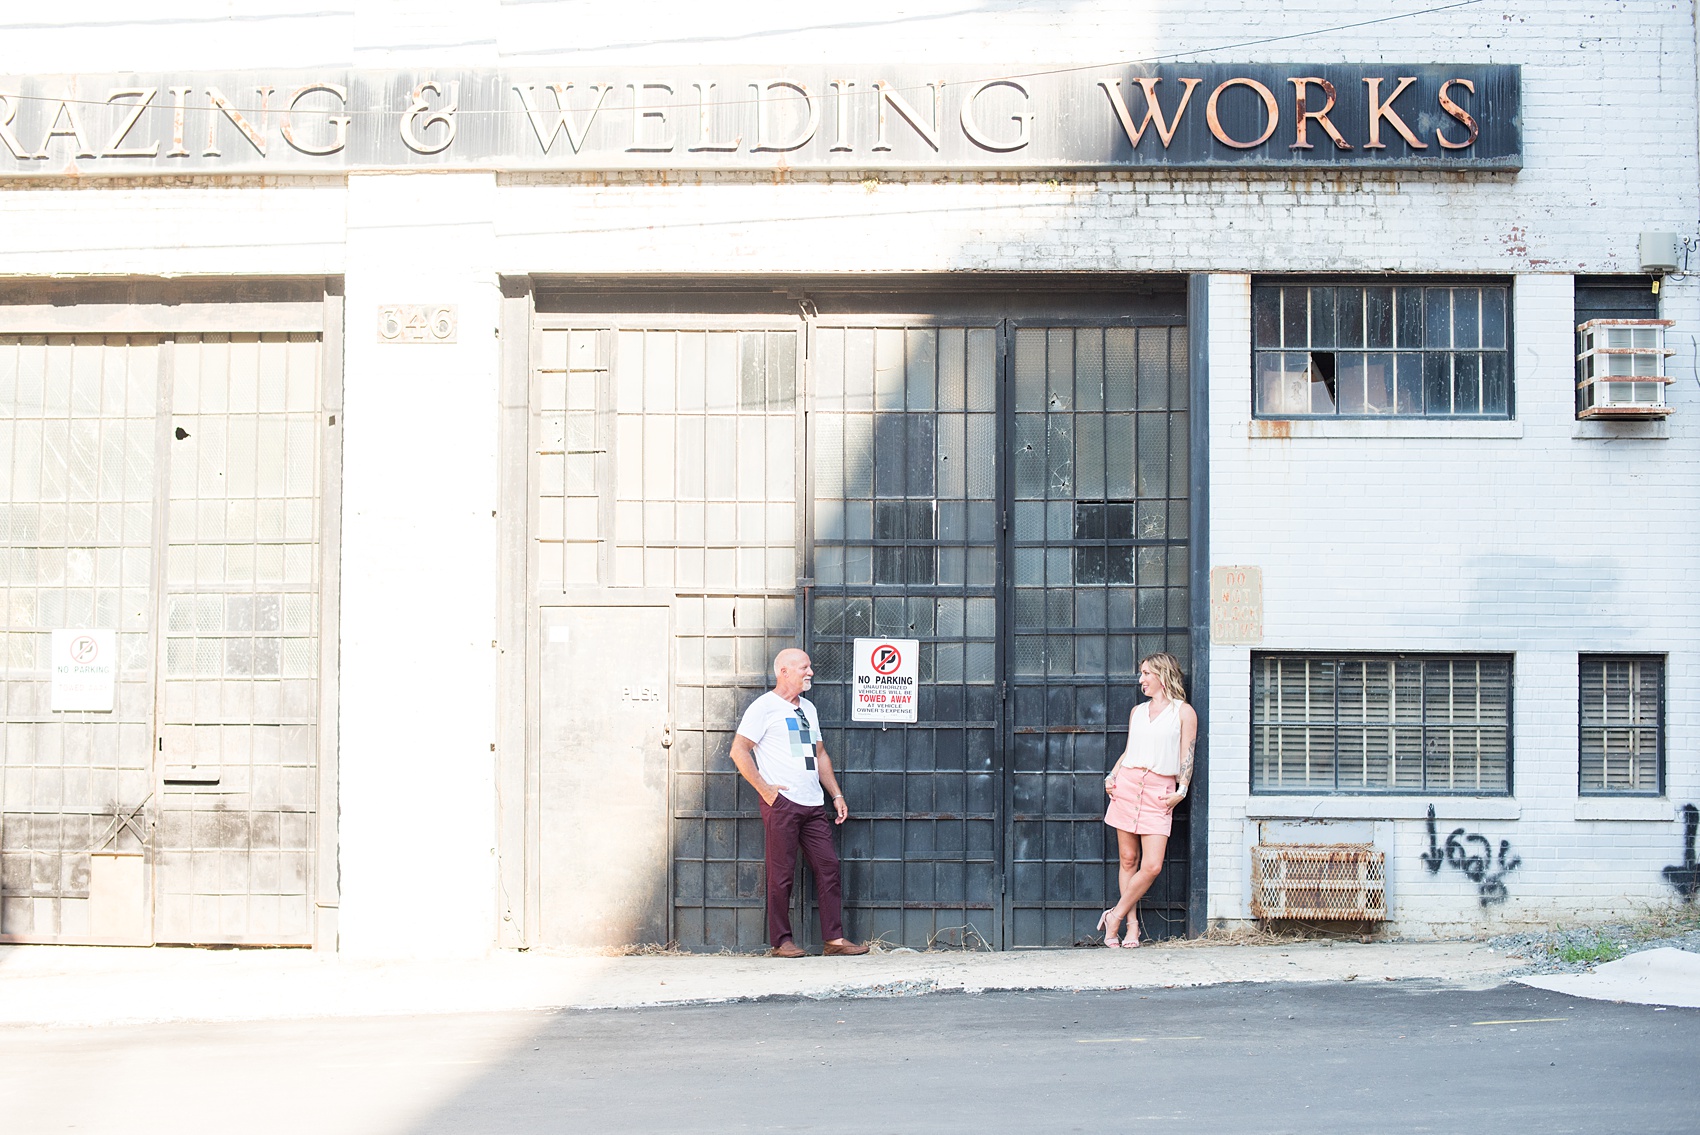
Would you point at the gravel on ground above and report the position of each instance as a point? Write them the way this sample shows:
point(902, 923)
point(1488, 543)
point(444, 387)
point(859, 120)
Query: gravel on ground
point(1578, 949)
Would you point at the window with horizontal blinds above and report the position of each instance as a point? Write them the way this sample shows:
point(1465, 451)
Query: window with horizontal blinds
point(1615, 297)
point(1325, 723)
point(1621, 731)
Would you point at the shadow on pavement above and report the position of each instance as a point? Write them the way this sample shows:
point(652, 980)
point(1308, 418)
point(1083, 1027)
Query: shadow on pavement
point(1340, 1057)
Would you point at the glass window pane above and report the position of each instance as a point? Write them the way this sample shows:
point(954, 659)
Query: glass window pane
point(1409, 394)
point(1466, 384)
point(1437, 317)
point(1378, 317)
point(1466, 318)
point(1322, 317)
point(1295, 306)
point(1437, 383)
point(1496, 384)
point(1408, 318)
point(1493, 317)
point(1265, 317)
point(1349, 316)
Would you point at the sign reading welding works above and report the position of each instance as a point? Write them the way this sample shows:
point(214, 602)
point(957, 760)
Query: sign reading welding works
point(858, 118)
point(882, 687)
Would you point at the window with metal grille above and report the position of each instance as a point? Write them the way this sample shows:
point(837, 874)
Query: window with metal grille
point(1381, 724)
point(1381, 350)
point(1622, 736)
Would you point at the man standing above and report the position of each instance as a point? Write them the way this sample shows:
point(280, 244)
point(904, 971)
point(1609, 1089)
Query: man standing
point(779, 750)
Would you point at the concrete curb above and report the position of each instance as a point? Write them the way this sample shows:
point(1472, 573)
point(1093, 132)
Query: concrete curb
point(92, 986)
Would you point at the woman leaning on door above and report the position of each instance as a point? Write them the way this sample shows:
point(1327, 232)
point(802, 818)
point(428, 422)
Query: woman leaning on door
point(1151, 777)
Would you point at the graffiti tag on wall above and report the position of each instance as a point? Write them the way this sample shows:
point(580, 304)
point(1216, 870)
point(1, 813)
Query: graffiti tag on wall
point(1685, 876)
point(1483, 867)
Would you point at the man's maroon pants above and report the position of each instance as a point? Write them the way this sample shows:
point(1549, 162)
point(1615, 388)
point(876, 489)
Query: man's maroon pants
point(790, 826)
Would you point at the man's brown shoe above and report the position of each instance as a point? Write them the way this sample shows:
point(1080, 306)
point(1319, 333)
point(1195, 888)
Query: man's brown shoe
point(788, 949)
point(846, 948)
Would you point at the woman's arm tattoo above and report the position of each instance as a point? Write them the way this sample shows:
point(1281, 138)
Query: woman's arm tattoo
point(1186, 762)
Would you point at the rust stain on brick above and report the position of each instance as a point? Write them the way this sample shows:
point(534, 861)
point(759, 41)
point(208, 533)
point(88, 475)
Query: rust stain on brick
point(1277, 429)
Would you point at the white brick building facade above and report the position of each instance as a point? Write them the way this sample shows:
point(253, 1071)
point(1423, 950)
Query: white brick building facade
point(1536, 536)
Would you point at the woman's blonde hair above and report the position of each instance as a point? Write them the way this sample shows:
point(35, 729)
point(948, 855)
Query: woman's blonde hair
point(1168, 671)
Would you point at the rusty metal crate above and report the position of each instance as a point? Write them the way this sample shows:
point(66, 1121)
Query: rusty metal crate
point(1319, 882)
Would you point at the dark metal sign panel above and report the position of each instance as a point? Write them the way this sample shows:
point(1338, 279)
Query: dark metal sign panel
point(846, 118)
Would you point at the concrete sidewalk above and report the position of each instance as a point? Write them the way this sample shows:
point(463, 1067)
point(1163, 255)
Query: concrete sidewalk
point(83, 986)
point(1652, 977)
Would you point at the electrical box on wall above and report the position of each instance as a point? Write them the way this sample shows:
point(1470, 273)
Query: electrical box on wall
point(1660, 252)
point(1620, 369)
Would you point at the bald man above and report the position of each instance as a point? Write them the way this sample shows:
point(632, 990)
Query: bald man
point(779, 750)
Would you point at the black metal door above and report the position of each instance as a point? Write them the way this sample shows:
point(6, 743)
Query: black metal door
point(1014, 495)
point(1097, 579)
point(906, 525)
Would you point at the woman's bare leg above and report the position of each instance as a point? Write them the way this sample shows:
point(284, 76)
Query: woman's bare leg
point(1128, 845)
point(1149, 865)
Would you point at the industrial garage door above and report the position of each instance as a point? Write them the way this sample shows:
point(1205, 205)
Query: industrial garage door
point(168, 488)
point(1010, 490)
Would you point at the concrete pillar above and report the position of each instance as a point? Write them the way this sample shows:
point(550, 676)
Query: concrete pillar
point(419, 572)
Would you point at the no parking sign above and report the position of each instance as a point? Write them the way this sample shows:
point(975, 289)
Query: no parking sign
point(883, 687)
point(85, 670)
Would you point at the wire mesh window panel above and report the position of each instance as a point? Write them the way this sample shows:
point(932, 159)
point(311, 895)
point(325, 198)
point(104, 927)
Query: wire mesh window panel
point(570, 447)
point(1622, 725)
point(1381, 724)
point(704, 469)
point(1371, 351)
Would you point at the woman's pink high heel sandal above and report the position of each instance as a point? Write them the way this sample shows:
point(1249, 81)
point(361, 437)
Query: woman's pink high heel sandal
point(1110, 938)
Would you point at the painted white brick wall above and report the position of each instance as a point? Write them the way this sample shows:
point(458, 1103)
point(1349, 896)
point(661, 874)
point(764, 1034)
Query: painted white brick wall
point(1544, 544)
point(1608, 113)
point(1528, 539)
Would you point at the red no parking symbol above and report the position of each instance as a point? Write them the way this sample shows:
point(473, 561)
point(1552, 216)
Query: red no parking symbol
point(885, 659)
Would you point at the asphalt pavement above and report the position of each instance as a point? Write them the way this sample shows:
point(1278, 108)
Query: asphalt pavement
point(1412, 1055)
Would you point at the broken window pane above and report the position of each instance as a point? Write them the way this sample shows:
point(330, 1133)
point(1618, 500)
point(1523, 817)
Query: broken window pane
point(1457, 336)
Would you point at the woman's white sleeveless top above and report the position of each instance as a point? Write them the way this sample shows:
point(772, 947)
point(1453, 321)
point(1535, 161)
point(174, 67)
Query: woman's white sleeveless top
point(1155, 745)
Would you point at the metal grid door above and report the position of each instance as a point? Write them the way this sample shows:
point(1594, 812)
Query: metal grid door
point(1012, 494)
point(78, 423)
point(715, 468)
point(1098, 477)
point(239, 675)
point(904, 453)
point(667, 465)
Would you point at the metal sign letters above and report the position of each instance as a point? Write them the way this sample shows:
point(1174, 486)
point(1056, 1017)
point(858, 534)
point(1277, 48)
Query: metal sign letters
point(863, 118)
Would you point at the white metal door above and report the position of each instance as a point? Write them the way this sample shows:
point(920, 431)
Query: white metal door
point(603, 842)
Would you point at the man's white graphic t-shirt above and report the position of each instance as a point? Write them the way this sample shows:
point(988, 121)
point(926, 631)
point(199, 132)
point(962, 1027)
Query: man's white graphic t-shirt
point(784, 736)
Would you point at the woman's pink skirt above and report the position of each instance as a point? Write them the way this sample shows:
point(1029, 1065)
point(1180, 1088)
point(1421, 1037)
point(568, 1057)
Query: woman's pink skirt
point(1136, 802)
